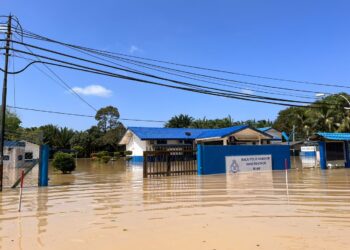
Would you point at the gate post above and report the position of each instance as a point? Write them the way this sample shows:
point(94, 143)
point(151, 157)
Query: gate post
point(347, 154)
point(168, 164)
point(44, 166)
point(145, 158)
point(323, 156)
point(199, 159)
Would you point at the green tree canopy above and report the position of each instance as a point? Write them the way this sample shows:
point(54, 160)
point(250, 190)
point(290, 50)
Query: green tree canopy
point(107, 118)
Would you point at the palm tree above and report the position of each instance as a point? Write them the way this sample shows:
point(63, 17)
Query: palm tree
point(180, 121)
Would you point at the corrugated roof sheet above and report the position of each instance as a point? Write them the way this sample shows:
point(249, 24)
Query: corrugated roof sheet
point(145, 133)
point(220, 132)
point(12, 144)
point(335, 136)
point(264, 129)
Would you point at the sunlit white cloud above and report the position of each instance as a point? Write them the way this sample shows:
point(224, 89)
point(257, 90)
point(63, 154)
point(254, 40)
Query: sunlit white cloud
point(93, 90)
point(133, 49)
point(247, 91)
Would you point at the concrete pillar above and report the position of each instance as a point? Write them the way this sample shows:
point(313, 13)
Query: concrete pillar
point(44, 166)
point(323, 156)
point(347, 154)
point(199, 159)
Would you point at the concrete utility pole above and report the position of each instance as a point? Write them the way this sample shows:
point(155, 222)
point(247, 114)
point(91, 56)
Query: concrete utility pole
point(4, 95)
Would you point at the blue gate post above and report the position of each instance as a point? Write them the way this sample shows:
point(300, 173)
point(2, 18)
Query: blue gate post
point(347, 154)
point(44, 166)
point(199, 159)
point(323, 157)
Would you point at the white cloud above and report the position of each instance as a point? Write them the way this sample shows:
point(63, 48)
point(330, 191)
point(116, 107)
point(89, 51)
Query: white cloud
point(93, 90)
point(247, 91)
point(133, 49)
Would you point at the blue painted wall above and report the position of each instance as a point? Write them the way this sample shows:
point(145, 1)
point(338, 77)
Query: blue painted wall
point(211, 159)
point(136, 159)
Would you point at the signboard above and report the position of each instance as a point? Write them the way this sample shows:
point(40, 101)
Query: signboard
point(246, 163)
point(308, 149)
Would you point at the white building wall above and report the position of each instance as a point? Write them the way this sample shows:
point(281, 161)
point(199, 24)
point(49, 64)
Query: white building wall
point(15, 156)
point(32, 148)
point(136, 145)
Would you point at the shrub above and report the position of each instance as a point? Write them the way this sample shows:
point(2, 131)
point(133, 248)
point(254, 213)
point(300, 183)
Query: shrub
point(64, 162)
point(79, 150)
point(93, 155)
point(101, 154)
point(128, 152)
point(106, 158)
point(117, 154)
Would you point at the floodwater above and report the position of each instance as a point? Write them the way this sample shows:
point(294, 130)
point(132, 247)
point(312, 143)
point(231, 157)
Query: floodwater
point(111, 207)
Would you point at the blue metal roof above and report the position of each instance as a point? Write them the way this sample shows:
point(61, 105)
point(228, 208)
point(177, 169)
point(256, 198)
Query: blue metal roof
point(264, 129)
point(335, 136)
point(145, 133)
point(221, 132)
point(285, 136)
point(12, 144)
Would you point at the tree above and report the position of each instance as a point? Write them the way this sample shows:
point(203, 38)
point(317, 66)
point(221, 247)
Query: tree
point(180, 121)
point(107, 118)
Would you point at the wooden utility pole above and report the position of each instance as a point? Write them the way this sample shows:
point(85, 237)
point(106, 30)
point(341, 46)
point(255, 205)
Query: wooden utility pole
point(3, 103)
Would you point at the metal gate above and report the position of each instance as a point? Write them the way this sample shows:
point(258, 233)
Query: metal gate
point(168, 162)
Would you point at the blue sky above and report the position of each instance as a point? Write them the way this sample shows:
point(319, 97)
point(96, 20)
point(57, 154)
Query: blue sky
point(303, 40)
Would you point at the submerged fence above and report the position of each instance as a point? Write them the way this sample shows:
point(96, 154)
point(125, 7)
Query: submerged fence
point(169, 162)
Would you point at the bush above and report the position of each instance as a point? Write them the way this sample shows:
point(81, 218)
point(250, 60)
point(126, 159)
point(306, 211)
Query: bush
point(128, 152)
point(117, 154)
point(93, 155)
point(101, 154)
point(79, 150)
point(64, 162)
point(106, 158)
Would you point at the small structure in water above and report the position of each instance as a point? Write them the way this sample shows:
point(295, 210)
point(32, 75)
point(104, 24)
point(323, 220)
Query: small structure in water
point(334, 149)
point(17, 153)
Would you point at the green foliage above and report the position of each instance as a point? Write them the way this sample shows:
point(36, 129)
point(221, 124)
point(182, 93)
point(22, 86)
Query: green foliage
point(180, 121)
point(185, 121)
point(107, 118)
point(106, 158)
point(326, 115)
point(78, 149)
point(128, 152)
point(64, 162)
point(102, 154)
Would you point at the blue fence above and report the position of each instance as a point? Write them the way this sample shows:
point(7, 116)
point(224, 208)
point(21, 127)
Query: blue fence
point(211, 159)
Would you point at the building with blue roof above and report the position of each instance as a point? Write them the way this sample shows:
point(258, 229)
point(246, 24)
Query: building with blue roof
point(276, 135)
point(140, 139)
point(334, 149)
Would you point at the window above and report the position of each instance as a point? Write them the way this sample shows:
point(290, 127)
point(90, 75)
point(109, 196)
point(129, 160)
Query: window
point(6, 157)
point(162, 142)
point(188, 142)
point(20, 157)
point(28, 156)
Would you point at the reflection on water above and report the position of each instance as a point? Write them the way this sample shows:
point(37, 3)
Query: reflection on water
point(102, 206)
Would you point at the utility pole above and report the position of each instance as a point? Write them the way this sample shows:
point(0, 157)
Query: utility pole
point(3, 104)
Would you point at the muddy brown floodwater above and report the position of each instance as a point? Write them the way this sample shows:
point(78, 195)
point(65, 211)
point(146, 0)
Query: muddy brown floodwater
point(112, 207)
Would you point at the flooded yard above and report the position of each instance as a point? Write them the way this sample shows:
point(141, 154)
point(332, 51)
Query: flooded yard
point(112, 207)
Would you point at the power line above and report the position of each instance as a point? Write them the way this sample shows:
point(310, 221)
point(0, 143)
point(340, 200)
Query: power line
point(143, 74)
point(64, 83)
point(39, 37)
point(198, 88)
point(79, 115)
